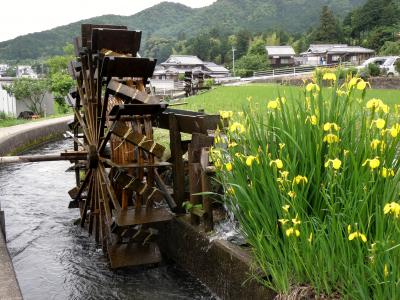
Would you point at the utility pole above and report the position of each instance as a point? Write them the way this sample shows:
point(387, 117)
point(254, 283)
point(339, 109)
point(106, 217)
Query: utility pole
point(233, 60)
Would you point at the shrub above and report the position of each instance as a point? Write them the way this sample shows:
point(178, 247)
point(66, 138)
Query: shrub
point(373, 70)
point(398, 65)
point(209, 82)
point(314, 183)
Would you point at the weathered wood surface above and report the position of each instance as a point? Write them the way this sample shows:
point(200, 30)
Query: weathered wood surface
point(140, 140)
point(127, 93)
point(39, 158)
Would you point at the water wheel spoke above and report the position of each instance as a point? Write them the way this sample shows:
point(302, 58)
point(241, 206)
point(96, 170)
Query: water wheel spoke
point(86, 202)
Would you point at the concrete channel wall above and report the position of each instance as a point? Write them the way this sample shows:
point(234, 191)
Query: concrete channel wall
point(11, 139)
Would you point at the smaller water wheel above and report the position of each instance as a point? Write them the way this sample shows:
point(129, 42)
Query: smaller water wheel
point(119, 191)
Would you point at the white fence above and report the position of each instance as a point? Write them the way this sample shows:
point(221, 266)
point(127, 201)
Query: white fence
point(295, 70)
point(8, 104)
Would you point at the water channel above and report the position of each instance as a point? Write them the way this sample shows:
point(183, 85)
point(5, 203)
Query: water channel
point(55, 259)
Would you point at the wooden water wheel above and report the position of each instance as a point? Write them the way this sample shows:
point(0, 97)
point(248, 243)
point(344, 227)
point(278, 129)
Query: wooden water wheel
point(118, 165)
point(117, 190)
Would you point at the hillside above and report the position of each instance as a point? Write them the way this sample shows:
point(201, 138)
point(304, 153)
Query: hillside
point(170, 19)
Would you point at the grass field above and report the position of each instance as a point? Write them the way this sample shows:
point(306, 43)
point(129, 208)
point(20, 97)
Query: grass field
point(234, 97)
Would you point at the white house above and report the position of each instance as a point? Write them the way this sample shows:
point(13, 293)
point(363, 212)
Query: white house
point(321, 54)
point(177, 65)
point(280, 56)
point(26, 71)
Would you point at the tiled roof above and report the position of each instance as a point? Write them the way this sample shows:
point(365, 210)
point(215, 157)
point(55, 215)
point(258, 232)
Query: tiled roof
point(213, 67)
point(280, 50)
point(183, 60)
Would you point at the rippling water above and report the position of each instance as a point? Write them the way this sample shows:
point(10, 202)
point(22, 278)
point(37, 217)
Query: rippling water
point(55, 259)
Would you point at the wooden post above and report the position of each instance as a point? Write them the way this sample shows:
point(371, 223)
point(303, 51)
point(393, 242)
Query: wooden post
point(2, 223)
point(177, 160)
point(194, 182)
point(206, 187)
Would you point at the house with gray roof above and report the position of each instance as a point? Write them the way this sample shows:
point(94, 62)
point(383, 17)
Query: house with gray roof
point(280, 56)
point(177, 65)
point(321, 54)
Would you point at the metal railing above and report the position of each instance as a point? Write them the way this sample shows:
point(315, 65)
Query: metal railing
point(292, 71)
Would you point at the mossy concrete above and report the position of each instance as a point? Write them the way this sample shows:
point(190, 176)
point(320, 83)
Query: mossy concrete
point(223, 267)
point(17, 138)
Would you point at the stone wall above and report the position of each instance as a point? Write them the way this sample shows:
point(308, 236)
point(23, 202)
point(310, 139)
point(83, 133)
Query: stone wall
point(391, 83)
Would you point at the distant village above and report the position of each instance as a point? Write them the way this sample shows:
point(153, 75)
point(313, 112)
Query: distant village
point(184, 73)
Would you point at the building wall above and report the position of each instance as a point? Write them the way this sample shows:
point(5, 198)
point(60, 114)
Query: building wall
point(281, 62)
point(13, 107)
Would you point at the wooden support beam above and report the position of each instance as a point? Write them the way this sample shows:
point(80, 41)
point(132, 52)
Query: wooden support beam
point(178, 169)
point(130, 93)
point(206, 187)
point(137, 139)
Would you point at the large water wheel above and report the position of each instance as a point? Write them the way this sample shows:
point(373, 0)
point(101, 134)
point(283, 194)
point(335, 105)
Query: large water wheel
point(118, 165)
point(117, 190)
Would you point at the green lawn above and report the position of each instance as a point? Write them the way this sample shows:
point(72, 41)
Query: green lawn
point(11, 122)
point(234, 97)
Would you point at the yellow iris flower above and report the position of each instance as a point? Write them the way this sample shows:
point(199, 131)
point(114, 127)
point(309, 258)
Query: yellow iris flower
point(283, 221)
point(250, 159)
point(387, 172)
point(237, 127)
point(334, 163)
point(377, 105)
point(226, 114)
point(273, 104)
point(312, 87)
point(379, 123)
point(359, 235)
point(229, 166)
point(392, 208)
point(373, 163)
point(312, 119)
point(331, 138)
point(300, 179)
point(277, 162)
point(329, 76)
point(292, 231)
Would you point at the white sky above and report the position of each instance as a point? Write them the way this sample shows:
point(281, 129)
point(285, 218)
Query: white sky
point(19, 17)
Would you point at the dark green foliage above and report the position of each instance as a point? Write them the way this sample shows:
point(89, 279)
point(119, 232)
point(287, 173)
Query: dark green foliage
point(398, 65)
point(374, 23)
point(373, 70)
point(60, 82)
point(329, 30)
point(390, 48)
point(175, 21)
point(249, 63)
point(11, 72)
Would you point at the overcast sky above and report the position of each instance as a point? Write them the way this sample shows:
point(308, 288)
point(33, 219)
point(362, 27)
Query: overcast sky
point(19, 17)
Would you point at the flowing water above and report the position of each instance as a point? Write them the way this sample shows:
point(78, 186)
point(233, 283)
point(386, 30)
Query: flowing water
point(55, 259)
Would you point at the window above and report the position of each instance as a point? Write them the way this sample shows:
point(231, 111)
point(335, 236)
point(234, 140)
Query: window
point(285, 61)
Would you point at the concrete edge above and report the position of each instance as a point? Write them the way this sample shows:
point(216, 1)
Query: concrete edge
point(19, 136)
point(222, 266)
point(11, 139)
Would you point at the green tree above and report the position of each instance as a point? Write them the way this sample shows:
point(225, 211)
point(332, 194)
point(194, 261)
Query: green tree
point(243, 38)
point(398, 65)
point(329, 30)
point(30, 91)
point(11, 72)
point(59, 81)
point(257, 46)
point(390, 48)
point(250, 63)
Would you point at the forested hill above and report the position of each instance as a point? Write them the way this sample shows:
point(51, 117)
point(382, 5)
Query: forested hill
point(171, 20)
